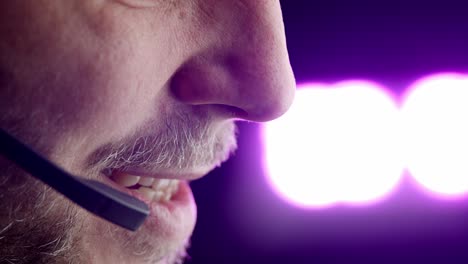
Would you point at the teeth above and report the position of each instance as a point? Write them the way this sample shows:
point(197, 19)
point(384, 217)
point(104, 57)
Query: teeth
point(150, 188)
point(146, 181)
point(125, 179)
point(174, 186)
point(159, 195)
point(161, 183)
point(167, 197)
point(148, 193)
point(164, 188)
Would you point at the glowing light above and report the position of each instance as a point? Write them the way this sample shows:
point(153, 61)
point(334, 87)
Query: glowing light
point(336, 144)
point(435, 118)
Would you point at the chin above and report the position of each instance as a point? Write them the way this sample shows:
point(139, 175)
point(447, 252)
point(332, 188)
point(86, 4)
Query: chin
point(106, 243)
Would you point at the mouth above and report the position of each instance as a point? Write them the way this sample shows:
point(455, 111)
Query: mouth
point(172, 209)
point(147, 189)
point(171, 202)
point(160, 190)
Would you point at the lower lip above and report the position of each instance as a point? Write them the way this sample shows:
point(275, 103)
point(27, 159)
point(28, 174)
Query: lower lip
point(175, 214)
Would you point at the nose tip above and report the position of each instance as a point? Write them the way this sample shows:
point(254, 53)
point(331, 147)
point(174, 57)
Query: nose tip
point(259, 95)
point(246, 66)
point(267, 96)
point(272, 107)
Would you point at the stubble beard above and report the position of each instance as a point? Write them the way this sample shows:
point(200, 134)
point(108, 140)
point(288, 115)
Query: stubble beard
point(37, 225)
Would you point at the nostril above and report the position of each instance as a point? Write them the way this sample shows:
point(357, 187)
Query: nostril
point(208, 86)
point(235, 112)
point(270, 107)
point(239, 86)
point(225, 111)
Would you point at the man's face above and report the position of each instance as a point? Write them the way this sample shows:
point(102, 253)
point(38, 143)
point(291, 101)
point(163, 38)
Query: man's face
point(125, 91)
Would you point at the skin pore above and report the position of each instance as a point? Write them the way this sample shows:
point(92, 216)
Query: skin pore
point(95, 85)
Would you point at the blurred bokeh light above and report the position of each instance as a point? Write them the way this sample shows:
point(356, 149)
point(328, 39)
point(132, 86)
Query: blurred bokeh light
point(337, 143)
point(436, 133)
point(242, 219)
point(345, 142)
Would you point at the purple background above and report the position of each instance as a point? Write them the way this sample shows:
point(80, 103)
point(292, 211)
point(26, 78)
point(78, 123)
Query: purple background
point(392, 43)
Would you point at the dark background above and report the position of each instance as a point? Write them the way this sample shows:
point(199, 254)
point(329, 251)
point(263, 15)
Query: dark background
point(392, 43)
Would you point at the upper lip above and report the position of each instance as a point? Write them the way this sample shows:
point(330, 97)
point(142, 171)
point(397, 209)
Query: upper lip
point(164, 174)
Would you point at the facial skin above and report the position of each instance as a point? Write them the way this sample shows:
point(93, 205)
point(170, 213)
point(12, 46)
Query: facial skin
point(148, 85)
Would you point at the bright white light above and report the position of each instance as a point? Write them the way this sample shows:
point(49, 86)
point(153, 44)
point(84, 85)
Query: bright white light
point(435, 118)
point(337, 143)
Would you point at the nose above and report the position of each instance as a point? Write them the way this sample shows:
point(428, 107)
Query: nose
point(241, 63)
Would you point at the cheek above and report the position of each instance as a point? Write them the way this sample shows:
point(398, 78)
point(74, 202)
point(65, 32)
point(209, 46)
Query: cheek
point(101, 109)
point(100, 79)
point(117, 101)
point(127, 73)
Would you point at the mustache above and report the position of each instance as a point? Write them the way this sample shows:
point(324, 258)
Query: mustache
point(179, 142)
